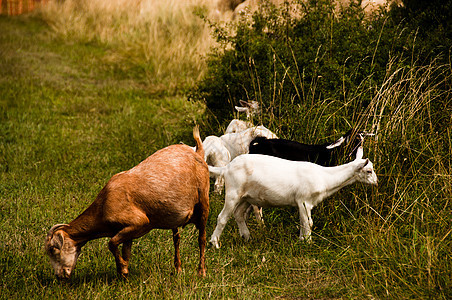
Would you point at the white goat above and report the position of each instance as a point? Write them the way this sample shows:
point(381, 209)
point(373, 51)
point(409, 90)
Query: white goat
point(219, 151)
point(237, 125)
point(251, 109)
point(267, 181)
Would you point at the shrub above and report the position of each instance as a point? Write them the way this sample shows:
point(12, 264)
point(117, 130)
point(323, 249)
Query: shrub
point(304, 63)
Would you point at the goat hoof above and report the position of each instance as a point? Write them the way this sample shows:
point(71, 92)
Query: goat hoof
point(307, 240)
point(246, 237)
point(202, 273)
point(214, 243)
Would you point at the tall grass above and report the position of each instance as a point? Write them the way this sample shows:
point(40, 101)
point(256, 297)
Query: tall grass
point(401, 243)
point(163, 41)
point(398, 236)
point(393, 241)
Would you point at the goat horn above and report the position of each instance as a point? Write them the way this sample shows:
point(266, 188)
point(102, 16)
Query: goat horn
point(244, 103)
point(359, 153)
point(367, 134)
point(55, 227)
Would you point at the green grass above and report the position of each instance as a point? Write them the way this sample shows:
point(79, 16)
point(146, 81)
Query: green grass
point(69, 121)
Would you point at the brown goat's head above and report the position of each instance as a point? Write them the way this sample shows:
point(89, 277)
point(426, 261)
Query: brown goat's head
point(62, 251)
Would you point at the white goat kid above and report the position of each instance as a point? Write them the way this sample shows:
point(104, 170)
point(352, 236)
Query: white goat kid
point(268, 181)
point(216, 154)
point(219, 151)
point(237, 125)
point(239, 143)
point(251, 109)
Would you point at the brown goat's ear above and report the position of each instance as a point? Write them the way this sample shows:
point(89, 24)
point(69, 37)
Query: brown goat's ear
point(57, 240)
point(54, 229)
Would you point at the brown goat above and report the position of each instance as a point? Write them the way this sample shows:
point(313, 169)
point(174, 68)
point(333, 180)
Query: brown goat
point(167, 190)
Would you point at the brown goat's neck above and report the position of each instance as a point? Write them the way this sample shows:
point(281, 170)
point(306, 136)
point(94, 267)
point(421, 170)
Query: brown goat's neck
point(87, 226)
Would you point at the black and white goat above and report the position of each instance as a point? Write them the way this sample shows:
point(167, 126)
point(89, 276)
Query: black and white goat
point(328, 154)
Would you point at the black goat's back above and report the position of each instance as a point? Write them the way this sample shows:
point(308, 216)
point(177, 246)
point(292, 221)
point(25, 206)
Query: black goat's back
point(292, 150)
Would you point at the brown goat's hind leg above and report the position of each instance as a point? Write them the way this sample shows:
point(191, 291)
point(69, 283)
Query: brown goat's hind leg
point(202, 249)
point(176, 241)
point(126, 253)
point(201, 225)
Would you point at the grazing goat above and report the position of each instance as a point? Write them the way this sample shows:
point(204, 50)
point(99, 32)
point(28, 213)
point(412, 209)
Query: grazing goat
point(325, 154)
point(268, 181)
point(251, 109)
point(167, 190)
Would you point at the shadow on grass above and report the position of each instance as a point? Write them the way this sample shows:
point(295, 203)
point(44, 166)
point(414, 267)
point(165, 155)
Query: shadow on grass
point(79, 279)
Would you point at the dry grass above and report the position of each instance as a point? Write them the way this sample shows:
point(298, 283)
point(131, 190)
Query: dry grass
point(165, 40)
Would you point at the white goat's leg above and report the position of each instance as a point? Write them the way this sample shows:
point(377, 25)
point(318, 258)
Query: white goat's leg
point(239, 215)
point(305, 221)
point(311, 222)
point(230, 204)
point(219, 184)
point(257, 211)
point(258, 214)
point(219, 157)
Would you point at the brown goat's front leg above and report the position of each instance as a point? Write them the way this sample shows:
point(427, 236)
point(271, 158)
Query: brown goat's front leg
point(176, 240)
point(126, 253)
point(122, 262)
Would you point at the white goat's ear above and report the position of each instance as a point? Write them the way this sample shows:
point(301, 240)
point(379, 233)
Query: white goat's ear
point(364, 164)
point(359, 152)
point(337, 143)
point(241, 109)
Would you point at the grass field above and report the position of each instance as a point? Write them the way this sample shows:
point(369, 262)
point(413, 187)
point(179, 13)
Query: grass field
point(70, 118)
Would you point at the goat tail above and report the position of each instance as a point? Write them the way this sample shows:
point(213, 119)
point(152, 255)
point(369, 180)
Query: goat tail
point(197, 137)
point(216, 171)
